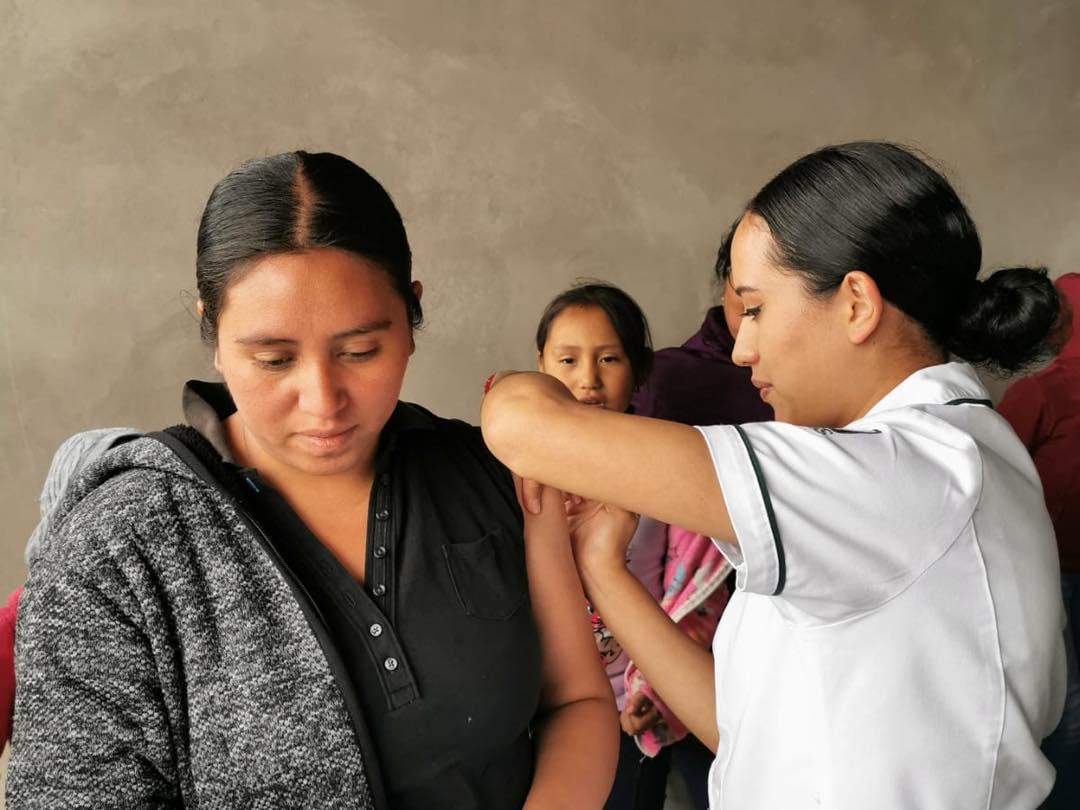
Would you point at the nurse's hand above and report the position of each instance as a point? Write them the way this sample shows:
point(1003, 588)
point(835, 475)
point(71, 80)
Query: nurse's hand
point(639, 715)
point(599, 533)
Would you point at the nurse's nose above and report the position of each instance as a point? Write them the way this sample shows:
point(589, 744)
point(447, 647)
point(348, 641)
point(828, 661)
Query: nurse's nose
point(744, 352)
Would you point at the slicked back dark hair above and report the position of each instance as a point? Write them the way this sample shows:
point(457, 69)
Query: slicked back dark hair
point(879, 208)
point(293, 202)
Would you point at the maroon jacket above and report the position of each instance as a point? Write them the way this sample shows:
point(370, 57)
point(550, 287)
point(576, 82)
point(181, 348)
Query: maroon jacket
point(699, 384)
point(1044, 410)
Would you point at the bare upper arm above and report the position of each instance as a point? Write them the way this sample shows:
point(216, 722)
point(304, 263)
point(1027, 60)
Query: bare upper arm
point(571, 664)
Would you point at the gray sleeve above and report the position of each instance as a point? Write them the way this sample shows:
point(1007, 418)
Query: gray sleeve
point(91, 729)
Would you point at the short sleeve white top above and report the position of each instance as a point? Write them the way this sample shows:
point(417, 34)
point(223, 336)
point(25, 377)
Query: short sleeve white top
point(895, 641)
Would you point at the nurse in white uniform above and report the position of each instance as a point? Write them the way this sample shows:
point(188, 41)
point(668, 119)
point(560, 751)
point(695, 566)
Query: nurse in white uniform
point(895, 641)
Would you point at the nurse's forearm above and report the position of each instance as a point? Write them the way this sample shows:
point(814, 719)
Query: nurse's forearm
point(534, 426)
point(575, 757)
point(679, 669)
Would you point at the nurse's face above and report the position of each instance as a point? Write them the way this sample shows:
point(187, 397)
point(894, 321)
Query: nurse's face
point(786, 336)
point(313, 347)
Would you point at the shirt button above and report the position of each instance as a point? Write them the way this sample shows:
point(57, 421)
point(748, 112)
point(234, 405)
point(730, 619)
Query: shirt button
point(380, 552)
point(390, 664)
point(382, 514)
point(375, 630)
point(379, 589)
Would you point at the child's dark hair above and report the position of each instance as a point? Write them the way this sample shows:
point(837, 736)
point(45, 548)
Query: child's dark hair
point(879, 208)
point(622, 311)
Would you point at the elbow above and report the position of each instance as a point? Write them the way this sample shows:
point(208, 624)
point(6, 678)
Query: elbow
point(500, 424)
point(512, 414)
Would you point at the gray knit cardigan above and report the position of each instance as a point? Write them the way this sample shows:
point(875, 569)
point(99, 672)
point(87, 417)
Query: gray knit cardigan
point(163, 661)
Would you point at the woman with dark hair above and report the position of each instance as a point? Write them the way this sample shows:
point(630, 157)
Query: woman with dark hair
point(895, 641)
point(315, 595)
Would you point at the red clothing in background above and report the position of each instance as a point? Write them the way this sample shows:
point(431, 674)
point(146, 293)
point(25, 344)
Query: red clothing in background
point(1044, 410)
point(7, 666)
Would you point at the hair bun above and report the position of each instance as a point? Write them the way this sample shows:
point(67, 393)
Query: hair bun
point(1006, 322)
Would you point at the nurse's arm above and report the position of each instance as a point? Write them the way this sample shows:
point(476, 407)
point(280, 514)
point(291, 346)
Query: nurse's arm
point(533, 424)
point(678, 668)
point(578, 732)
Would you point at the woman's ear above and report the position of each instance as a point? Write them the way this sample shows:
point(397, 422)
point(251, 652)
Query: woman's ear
point(863, 305)
point(418, 290)
point(539, 362)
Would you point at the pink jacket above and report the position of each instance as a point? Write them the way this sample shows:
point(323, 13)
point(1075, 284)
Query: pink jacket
point(694, 597)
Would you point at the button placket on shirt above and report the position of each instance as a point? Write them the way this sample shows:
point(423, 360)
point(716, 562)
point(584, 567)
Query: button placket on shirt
point(396, 677)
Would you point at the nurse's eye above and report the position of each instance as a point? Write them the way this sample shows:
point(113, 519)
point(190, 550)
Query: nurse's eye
point(751, 312)
point(274, 362)
point(610, 358)
point(565, 361)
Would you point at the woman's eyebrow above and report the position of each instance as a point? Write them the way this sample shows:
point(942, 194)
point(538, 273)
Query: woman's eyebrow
point(364, 329)
point(273, 340)
point(744, 289)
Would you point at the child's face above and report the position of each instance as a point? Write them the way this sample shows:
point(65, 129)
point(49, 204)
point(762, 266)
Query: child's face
point(585, 354)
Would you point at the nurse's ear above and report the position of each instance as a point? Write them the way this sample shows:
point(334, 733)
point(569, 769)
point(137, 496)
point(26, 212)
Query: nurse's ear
point(862, 304)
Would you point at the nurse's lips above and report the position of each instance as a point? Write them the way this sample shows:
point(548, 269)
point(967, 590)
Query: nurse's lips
point(592, 401)
point(764, 388)
point(326, 439)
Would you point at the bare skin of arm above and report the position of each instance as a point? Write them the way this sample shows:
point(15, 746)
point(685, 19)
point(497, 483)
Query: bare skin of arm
point(538, 430)
point(578, 737)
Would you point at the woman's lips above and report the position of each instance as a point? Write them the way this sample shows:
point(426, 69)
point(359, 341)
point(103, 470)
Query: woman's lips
point(326, 440)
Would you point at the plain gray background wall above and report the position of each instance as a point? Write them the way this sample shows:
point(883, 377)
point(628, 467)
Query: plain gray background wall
point(526, 143)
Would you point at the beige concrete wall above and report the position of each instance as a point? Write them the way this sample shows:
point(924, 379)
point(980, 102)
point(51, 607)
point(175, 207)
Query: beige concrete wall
point(526, 143)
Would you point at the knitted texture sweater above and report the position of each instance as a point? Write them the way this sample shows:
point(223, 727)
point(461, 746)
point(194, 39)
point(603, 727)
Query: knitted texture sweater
point(163, 660)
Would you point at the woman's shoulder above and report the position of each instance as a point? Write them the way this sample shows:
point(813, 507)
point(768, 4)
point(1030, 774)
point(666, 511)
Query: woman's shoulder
point(453, 446)
point(124, 495)
point(442, 434)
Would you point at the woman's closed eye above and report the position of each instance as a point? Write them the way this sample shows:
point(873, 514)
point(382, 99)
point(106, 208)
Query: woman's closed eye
point(275, 362)
point(359, 356)
point(751, 312)
point(611, 358)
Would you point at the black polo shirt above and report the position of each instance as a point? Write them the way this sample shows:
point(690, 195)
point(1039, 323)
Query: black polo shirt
point(439, 643)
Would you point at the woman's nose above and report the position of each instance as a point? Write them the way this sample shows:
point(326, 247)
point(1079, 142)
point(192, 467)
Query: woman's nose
point(321, 394)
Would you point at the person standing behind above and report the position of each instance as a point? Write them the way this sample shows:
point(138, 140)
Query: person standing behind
point(698, 383)
point(595, 339)
point(1044, 410)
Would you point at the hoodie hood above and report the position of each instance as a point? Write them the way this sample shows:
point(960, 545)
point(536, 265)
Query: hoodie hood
point(88, 461)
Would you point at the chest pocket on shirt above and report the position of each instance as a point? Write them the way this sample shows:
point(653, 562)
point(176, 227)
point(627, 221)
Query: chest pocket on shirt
point(488, 575)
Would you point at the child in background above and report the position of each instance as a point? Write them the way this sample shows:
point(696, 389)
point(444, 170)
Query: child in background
point(594, 338)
